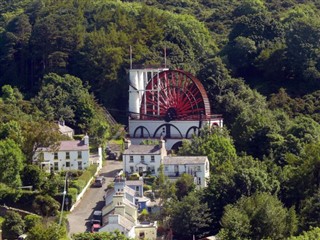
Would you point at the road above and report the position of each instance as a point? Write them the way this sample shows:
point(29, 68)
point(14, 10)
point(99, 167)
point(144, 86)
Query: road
point(79, 218)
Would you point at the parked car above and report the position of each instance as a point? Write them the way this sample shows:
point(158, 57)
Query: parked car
point(96, 218)
point(99, 181)
point(95, 227)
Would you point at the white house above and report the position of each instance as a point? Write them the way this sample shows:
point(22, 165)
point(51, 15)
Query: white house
point(65, 130)
point(196, 166)
point(143, 158)
point(67, 155)
point(120, 213)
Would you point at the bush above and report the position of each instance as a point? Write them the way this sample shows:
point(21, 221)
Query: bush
point(31, 220)
point(147, 187)
point(72, 195)
point(88, 173)
point(46, 205)
point(26, 199)
point(13, 225)
point(77, 184)
point(8, 194)
point(149, 180)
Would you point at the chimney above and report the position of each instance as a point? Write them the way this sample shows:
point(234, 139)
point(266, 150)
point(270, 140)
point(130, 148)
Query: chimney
point(127, 143)
point(86, 140)
point(162, 143)
point(163, 147)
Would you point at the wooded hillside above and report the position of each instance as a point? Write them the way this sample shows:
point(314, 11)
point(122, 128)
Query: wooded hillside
point(259, 61)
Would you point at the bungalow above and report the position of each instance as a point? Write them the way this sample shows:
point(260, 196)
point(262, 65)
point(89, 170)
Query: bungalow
point(67, 155)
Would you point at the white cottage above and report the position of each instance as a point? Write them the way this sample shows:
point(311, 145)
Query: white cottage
point(143, 158)
point(67, 155)
point(121, 213)
point(196, 166)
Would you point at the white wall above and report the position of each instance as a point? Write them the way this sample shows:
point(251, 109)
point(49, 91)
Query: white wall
point(61, 160)
point(192, 169)
point(137, 160)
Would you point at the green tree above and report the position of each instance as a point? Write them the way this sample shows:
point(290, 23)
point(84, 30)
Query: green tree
point(11, 163)
point(310, 211)
point(302, 53)
point(190, 216)
point(12, 130)
point(33, 176)
point(46, 231)
point(260, 216)
point(13, 225)
point(32, 220)
point(100, 236)
point(312, 234)
point(184, 185)
point(231, 180)
point(45, 206)
point(215, 143)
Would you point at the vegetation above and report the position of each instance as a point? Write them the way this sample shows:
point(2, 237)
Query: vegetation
point(258, 60)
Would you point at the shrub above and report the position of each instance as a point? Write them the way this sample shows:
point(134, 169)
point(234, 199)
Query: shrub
point(45, 205)
point(72, 195)
point(8, 194)
point(147, 187)
point(31, 220)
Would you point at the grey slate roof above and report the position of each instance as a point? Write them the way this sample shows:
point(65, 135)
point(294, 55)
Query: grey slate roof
point(143, 149)
point(72, 145)
point(176, 160)
point(134, 182)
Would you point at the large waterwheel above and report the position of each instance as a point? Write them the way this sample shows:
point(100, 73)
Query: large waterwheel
point(174, 95)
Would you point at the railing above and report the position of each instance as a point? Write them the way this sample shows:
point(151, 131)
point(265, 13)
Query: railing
point(178, 174)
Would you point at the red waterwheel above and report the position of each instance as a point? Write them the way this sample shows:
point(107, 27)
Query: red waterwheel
point(174, 95)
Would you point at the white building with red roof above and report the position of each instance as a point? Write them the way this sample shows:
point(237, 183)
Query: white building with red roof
point(67, 155)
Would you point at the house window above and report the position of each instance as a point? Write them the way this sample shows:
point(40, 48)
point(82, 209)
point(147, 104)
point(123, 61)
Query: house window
point(142, 159)
point(166, 168)
point(152, 169)
point(67, 155)
point(56, 166)
point(55, 155)
point(199, 181)
point(79, 154)
point(131, 169)
point(79, 165)
point(152, 158)
point(67, 164)
point(131, 159)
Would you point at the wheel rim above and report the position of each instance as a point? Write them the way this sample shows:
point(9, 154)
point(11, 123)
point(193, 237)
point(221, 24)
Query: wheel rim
point(174, 95)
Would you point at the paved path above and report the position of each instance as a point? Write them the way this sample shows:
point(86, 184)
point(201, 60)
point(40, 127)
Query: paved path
point(79, 218)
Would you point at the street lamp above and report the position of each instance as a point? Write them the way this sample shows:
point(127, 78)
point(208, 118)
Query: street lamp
point(63, 198)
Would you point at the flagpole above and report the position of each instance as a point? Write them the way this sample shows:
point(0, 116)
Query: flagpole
point(130, 57)
point(165, 57)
